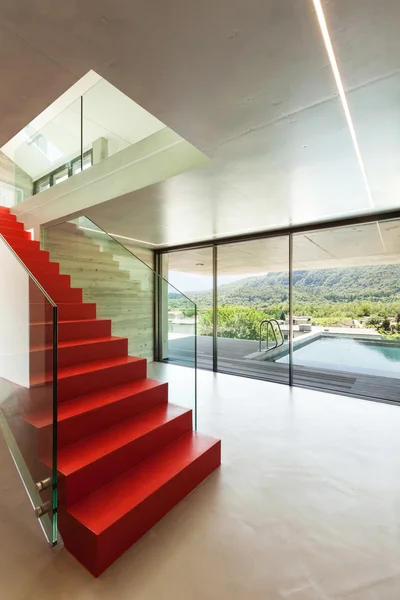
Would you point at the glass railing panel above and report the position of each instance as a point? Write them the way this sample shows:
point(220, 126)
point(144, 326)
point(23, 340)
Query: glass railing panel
point(124, 289)
point(105, 121)
point(192, 272)
point(47, 151)
point(65, 140)
point(28, 384)
point(177, 344)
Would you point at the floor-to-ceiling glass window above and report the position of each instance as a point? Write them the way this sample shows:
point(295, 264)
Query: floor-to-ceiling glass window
point(346, 302)
point(190, 272)
point(345, 306)
point(253, 308)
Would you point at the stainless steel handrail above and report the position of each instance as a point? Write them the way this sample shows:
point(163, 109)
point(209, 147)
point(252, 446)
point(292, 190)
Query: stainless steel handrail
point(269, 323)
point(29, 273)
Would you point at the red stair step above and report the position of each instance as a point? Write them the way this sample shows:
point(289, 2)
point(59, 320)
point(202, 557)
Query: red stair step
point(100, 528)
point(34, 255)
point(59, 280)
point(11, 223)
point(20, 243)
point(42, 333)
point(89, 377)
point(74, 352)
point(57, 292)
point(44, 267)
point(86, 415)
point(94, 461)
point(70, 330)
point(58, 287)
point(11, 227)
point(15, 238)
point(8, 217)
point(42, 312)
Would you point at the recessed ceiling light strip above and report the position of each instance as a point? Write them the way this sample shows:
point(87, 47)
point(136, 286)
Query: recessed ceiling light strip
point(338, 79)
point(336, 73)
point(124, 237)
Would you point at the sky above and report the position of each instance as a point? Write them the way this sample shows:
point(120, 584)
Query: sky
point(186, 282)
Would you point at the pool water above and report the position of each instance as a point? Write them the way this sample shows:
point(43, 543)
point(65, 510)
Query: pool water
point(350, 355)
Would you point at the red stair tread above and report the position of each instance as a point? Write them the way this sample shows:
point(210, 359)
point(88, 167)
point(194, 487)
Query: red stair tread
point(89, 449)
point(82, 404)
point(109, 504)
point(68, 321)
point(71, 311)
point(78, 342)
point(88, 367)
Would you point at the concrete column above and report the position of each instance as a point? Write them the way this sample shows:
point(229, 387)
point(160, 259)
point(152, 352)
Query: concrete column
point(100, 150)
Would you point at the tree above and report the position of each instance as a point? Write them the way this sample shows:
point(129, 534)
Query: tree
point(283, 316)
point(235, 322)
point(365, 310)
point(373, 322)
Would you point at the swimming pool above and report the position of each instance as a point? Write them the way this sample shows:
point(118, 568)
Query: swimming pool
point(350, 355)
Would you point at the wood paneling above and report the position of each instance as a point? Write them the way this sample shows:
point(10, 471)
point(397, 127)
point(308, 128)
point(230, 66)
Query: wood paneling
point(120, 284)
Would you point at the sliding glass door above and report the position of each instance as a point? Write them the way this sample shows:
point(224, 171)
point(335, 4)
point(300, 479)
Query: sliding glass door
point(190, 272)
point(346, 300)
point(253, 309)
point(343, 292)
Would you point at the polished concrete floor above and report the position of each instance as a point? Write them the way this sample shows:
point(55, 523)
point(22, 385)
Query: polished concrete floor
point(306, 506)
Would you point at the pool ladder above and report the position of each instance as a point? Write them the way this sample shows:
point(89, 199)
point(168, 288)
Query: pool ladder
point(270, 323)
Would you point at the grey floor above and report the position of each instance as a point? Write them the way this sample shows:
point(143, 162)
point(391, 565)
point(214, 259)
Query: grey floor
point(306, 506)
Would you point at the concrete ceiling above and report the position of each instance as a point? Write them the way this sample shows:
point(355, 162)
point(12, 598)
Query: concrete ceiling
point(249, 83)
point(342, 247)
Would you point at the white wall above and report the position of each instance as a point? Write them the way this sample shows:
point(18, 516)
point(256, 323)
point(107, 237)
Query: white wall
point(14, 318)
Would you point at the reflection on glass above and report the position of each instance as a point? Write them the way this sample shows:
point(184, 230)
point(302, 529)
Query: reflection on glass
point(346, 285)
point(253, 308)
point(116, 277)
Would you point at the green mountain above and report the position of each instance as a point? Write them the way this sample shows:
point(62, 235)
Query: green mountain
point(318, 287)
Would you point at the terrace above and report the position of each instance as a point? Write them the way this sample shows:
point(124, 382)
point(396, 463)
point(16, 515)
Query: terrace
point(358, 376)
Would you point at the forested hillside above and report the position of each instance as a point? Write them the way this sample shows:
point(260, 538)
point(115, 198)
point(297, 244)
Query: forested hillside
point(329, 296)
point(374, 284)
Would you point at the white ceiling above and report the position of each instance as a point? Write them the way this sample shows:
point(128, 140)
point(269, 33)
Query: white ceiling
point(249, 83)
point(359, 245)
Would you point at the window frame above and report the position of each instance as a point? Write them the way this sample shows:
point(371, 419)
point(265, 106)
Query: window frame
point(68, 165)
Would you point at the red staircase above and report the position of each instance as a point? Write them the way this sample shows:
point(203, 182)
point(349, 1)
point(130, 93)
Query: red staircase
point(125, 455)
